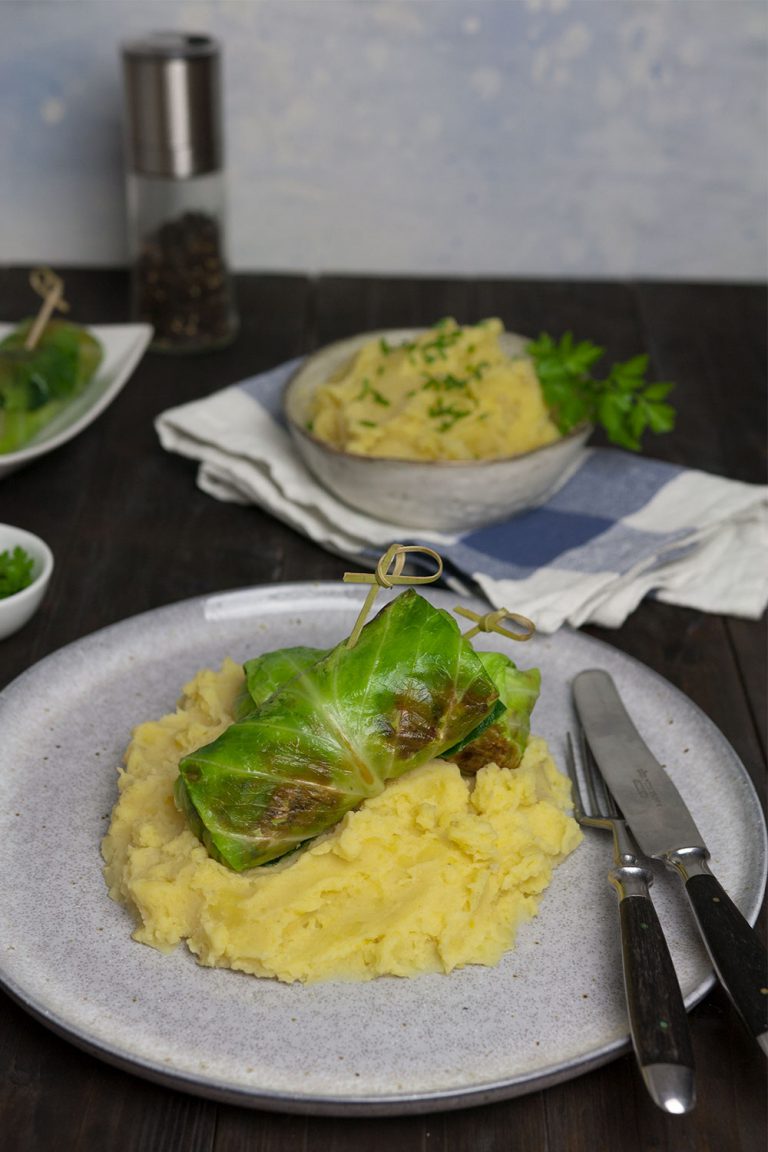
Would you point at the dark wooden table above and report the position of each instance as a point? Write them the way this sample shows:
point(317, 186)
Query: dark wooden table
point(125, 520)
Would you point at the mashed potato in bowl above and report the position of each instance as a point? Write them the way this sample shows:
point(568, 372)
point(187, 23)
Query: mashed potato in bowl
point(434, 873)
point(450, 393)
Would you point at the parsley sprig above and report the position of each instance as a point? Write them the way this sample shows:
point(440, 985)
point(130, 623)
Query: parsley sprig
point(15, 571)
point(623, 402)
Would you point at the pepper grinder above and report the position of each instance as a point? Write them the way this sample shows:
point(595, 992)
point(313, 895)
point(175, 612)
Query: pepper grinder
point(181, 283)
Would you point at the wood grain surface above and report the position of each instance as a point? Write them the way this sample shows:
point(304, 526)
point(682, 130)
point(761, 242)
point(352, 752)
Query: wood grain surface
point(130, 531)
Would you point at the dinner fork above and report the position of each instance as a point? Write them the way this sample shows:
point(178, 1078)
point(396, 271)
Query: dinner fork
point(658, 1022)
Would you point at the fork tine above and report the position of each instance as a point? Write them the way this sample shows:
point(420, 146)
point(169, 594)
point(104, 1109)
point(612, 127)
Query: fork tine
point(600, 796)
point(570, 762)
point(588, 767)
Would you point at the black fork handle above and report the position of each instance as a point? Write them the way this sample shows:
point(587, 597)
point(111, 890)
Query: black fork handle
point(657, 1018)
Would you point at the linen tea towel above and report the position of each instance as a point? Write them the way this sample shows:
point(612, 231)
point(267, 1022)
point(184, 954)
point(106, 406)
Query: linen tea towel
point(622, 527)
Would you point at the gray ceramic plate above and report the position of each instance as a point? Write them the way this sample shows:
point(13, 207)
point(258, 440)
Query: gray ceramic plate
point(551, 1010)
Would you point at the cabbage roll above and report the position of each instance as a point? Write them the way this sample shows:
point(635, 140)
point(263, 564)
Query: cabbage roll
point(36, 384)
point(503, 742)
point(335, 733)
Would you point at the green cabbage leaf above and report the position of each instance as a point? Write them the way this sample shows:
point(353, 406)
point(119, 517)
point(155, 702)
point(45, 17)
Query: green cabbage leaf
point(500, 741)
point(504, 741)
point(36, 385)
point(332, 735)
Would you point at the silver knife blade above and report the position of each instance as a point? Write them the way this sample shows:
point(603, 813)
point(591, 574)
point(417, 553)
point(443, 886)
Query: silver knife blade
point(649, 801)
point(664, 828)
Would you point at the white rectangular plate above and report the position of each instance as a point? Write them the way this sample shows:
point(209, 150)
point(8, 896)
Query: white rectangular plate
point(124, 346)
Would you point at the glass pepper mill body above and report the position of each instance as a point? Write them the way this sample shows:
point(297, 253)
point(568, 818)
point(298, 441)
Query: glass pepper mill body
point(181, 283)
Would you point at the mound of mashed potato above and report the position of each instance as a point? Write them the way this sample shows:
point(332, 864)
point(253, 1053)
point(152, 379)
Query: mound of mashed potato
point(435, 873)
point(450, 394)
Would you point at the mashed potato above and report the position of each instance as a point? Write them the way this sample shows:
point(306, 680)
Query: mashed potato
point(434, 873)
point(452, 394)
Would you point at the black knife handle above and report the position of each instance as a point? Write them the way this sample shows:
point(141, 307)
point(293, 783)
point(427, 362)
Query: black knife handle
point(658, 1021)
point(739, 958)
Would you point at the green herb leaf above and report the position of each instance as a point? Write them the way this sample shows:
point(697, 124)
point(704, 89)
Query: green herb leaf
point(15, 571)
point(623, 402)
point(367, 389)
point(657, 391)
point(660, 417)
point(448, 413)
point(447, 383)
point(476, 370)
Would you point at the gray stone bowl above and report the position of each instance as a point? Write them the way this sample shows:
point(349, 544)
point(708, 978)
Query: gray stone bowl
point(441, 495)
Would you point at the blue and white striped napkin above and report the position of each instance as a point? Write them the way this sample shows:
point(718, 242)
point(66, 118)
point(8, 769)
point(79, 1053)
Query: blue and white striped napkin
point(622, 528)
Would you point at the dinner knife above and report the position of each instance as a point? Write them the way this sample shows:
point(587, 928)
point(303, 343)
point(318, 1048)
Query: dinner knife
point(664, 828)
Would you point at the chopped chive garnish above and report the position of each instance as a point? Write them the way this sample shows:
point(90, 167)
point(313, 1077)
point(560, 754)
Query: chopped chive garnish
point(368, 390)
point(476, 370)
point(447, 383)
point(447, 413)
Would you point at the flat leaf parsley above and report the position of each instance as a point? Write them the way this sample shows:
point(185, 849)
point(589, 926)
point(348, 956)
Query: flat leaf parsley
point(15, 571)
point(623, 402)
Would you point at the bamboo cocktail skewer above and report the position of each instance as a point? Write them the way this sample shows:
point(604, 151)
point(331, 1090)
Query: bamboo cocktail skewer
point(51, 287)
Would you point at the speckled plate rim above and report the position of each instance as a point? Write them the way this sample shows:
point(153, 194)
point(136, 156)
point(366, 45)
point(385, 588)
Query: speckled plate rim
point(199, 621)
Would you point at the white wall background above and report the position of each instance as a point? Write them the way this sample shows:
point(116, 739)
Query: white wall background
point(512, 137)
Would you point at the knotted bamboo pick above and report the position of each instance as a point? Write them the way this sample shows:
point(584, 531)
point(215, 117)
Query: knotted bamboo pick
point(491, 622)
point(51, 287)
point(383, 578)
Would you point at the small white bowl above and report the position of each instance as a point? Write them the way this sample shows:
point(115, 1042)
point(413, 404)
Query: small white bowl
point(17, 609)
point(441, 495)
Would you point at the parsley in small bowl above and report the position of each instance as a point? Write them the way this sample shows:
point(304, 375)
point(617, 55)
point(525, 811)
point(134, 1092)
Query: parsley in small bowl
point(26, 565)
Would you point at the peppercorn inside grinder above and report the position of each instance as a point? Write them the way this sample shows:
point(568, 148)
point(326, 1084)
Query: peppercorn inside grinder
point(181, 283)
